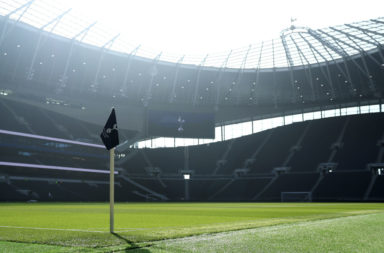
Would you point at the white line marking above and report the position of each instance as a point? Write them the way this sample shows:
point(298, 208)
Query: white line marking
point(58, 229)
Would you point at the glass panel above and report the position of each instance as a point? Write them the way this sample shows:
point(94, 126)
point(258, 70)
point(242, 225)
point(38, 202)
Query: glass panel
point(237, 131)
point(190, 142)
point(169, 142)
point(288, 119)
point(263, 124)
point(331, 113)
point(148, 143)
point(297, 118)
point(276, 122)
point(374, 108)
point(140, 144)
point(218, 134)
point(145, 144)
point(205, 141)
point(308, 116)
point(257, 126)
point(179, 142)
point(267, 124)
point(228, 132)
point(247, 128)
point(158, 142)
point(317, 115)
point(364, 109)
point(352, 110)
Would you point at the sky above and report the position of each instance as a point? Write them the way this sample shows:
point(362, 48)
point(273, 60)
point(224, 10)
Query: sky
point(210, 26)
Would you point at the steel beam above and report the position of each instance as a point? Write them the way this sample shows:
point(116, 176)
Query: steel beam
point(84, 31)
point(240, 72)
point(326, 43)
point(306, 67)
point(257, 70)
point(274, 74)
point(290, 65)
point(366, 30)
point(174, 83)
point(351, 36)
point(64, 77)
point(312, 48)
point(127, 69)
point(218, 79)
point(103, 49)
point(377, 21)
point(372, 86)
point(110, 42)
point(56, 20)
point(197, 84)
point(25, 8)
point(301, 54)
point(341, 41)
point(326, 61)
point(337, 40)
point(148, 94)
point(345, 74)
point(286, 49)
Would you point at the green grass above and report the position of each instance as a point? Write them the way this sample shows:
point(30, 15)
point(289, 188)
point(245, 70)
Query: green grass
point(361, 233)
point(68, 227)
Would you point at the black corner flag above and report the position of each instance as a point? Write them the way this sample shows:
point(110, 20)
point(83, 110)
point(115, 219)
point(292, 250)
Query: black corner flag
point(110, 134)
point(110, 138)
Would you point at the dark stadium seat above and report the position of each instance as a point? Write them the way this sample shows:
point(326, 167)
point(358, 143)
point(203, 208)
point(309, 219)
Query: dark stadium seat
point(343, 186)
point(361, 138)
point(377, 192)
point(291, 182)
point(316, 145)
point(203, 158)
point(242, 189)
point(277, 149)
point(161, 158)
point(242, 149)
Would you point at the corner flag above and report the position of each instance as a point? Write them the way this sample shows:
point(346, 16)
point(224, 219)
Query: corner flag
point(110, 138)
point(110, 134)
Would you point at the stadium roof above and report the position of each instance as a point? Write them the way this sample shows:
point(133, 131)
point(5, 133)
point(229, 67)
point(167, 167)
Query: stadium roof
point(296, 46)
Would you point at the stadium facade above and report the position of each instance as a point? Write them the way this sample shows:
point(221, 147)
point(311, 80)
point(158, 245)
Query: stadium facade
point(60, 86)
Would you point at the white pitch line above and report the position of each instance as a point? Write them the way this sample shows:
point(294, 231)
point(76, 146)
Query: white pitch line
point(80, 230)
point(134, 229)
point(56, 229)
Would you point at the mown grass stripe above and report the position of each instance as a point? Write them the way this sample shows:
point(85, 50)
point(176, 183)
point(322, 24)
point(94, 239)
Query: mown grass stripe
point(86, 224)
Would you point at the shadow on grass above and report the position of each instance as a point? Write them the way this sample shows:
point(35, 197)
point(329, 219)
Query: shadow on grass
point(133, 247)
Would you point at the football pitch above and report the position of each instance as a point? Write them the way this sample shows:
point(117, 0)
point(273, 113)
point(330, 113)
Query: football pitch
point(192, 227)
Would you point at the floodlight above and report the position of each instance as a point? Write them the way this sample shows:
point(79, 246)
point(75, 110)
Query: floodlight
point(187, 176)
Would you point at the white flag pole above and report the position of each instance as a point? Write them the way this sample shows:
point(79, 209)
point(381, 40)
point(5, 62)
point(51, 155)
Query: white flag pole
point(111, 189)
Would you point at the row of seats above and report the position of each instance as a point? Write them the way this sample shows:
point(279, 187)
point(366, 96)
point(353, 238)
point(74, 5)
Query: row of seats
point(300, 146)
point(337, 186)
